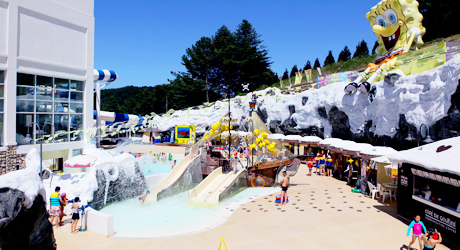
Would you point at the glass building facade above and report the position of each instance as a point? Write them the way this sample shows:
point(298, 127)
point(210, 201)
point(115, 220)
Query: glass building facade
point(55, 104)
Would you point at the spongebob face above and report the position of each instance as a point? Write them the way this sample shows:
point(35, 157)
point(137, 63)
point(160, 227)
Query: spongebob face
point(391, 20)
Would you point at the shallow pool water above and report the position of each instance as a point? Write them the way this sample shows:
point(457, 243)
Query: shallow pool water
point(151, 166)
point(172, 216)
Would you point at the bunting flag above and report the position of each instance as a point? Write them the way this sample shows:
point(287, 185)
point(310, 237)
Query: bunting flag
point(308, 75)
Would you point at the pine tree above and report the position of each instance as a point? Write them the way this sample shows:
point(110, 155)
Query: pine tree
point(198, 61)
point(307, 66)
point(317, 64)
point(344, 55)
point(294, 70)
point(285, 74)
point(329, 59)
point(376, 45)
point(361, 49)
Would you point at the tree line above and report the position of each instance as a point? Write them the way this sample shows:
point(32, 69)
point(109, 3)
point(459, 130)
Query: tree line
point(216, 67)
point(345, 55)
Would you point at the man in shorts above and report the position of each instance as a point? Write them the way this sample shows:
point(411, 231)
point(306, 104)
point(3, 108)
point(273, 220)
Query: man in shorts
point(55, 206)
point(284, 187)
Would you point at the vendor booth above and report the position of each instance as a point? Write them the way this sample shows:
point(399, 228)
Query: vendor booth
point(428, 185)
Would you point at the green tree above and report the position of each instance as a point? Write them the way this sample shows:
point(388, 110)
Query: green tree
point(376, 45)
point(329, 59)
point(294, 70)
point(285, 74)
point(344, 55)
point(251, 57)
point(361, 49)
point(440, 18)
point(307, 66)
point(317, 64)
point(198, 61)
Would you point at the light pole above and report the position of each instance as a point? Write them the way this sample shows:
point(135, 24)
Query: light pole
point(40, 134)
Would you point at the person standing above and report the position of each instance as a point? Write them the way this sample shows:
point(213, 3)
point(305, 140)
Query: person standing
point(284, 187)
point(75, 215)
point(55, 206)
point(63, 204)
point(322, 163)
point(310, 166)
point(416, 225)
point(329, 166)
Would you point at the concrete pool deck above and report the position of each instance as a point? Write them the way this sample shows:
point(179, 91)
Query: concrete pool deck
point(322, 214)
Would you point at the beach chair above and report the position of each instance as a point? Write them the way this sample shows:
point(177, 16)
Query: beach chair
point(373, 189)
point(383, 193)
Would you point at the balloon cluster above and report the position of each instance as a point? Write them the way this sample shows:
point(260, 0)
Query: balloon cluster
point(216, 129)
point(262, 141)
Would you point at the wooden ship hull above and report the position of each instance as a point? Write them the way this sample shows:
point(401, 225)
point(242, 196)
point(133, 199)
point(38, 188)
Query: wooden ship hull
point(264, 175)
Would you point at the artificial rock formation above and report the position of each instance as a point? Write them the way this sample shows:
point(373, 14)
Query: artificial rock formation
point(22, 227)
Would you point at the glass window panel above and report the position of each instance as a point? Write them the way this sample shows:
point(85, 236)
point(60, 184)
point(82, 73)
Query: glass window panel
point(76, 107)
point(25, 93)
point(61, 95)
point(61, 126)
point(25, 79)
point(44, 107)
point(22, 122)
point(43, 119)
point(44, 81)
point(76, 96)
point(44, 94)
point(25, 105)
point(1, 105)
point(76, 85)
point(61, 83)
point(76, 123)
point(1, 129)
point(2, 90)
point(61, 107)
point(2, 76)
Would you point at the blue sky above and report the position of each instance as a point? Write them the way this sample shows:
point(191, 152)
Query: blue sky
point(144, 40)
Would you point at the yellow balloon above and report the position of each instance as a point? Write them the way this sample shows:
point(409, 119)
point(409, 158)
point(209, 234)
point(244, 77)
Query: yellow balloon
point(214, 126)
point(267, 142)
point(231, 126)
point(264, 135)
point(217, 123)
point(256, 132)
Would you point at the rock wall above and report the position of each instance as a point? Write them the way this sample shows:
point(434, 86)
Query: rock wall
point(121, 189)
point(22, 228)
point(11, 161)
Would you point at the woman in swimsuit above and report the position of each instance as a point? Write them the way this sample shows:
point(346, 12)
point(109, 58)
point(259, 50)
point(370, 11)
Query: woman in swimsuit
point(416, 225)
point(431, 238)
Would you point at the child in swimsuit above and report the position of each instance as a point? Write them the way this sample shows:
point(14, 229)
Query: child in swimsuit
point(75, 215)
point(431, 238)
point(142, 196)
point(416, 225)
point(310, 166)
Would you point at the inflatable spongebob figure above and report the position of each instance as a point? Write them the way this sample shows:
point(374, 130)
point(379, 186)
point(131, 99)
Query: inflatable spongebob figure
point(398, 26)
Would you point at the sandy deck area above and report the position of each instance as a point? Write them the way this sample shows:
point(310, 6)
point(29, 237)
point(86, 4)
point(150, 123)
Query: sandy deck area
point(322, 214)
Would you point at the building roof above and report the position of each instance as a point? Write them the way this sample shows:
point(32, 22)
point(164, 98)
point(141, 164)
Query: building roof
point(437, 156)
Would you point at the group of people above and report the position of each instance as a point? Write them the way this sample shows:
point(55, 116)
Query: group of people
point(58, 201)
point(161, 156)
point(322, 165)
